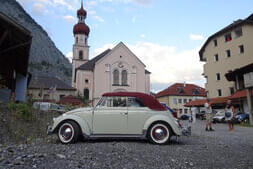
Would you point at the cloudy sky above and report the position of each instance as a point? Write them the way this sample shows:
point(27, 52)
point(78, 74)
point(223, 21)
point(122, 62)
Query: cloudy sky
point(165, 34)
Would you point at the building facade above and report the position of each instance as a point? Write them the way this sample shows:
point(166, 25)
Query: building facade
point(178, 94)
point(48, 89)
point(117, 69)
point(226, 50)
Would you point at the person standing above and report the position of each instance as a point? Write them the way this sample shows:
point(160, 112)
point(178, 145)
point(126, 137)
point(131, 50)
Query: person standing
point(194, 111)
point(209, 116)
point(229, 115)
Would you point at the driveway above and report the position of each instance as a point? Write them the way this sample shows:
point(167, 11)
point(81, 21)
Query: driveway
point(219, 149)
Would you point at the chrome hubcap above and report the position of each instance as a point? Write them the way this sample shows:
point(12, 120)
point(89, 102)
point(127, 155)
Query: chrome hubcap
point(66, 132)
point(159, 133)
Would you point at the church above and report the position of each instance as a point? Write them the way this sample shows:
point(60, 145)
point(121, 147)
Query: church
point(114, 70)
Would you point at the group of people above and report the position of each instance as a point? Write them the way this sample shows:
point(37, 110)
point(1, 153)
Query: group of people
point(229, 115)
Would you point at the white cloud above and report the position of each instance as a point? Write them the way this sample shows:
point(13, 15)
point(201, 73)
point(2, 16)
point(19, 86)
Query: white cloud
point(102, 49)
point(64, 3)
point(166, 64)
point(69, 56)
point(92, 3)
point(133, 19)
point(44, 2)
point(143, 2)
point(70, 19)
point(142, 35)
point(98, 18)
point(38, 9)
point(92, 12)
point(196, 37)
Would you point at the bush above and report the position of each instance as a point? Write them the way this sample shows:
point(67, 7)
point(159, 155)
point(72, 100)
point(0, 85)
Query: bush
point(21, 110)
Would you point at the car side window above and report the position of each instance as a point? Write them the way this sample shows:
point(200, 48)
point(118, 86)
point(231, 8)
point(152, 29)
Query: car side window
point(119, 101)
point(105, 102)
point(135, 102)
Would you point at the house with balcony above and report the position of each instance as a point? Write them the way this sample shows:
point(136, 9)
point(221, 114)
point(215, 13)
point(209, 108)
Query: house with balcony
point(226, 50)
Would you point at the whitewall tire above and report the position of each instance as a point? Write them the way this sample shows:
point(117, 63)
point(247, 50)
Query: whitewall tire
point(68, 132)
point(159, 133)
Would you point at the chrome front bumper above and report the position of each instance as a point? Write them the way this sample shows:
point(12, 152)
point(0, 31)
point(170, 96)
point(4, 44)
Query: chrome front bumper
point(186, 131)
point(49, 129)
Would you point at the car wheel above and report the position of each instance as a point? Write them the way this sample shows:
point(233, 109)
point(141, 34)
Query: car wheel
point(68, 132)
point(159, 133)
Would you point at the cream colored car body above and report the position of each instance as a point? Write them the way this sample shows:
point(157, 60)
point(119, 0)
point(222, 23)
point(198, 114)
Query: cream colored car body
point(102, 121)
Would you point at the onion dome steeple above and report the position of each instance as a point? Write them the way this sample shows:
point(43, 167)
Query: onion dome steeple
point(81, 27)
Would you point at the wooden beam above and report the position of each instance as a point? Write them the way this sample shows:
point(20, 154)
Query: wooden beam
point(3, 37)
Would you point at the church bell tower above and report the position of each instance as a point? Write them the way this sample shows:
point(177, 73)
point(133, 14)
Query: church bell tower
point(80, 48)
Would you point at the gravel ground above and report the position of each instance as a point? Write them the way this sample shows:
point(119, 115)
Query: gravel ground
point(218, 149)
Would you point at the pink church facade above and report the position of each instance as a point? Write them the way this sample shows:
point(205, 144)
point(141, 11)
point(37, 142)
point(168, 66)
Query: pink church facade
point(117, 69)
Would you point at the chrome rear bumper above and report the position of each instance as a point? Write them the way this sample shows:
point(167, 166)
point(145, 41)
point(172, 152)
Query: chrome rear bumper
point(186, 131)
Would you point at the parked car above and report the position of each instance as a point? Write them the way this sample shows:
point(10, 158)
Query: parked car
point(185, 117)
point(219, 117)
point(171, 111)
point(201, 115)
point(46, 106)
point(119, 114)
point(242, 117)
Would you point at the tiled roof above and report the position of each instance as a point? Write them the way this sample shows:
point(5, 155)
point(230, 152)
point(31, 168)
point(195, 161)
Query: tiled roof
point(235, 24)
point(70, 100)
point(240, 94)
point(91, 63)
point(44, 82)
point(181, 89)
point(213, 101)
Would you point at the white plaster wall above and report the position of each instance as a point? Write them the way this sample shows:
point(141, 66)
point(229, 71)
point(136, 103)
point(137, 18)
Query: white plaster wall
point(80, 82)
point(135, 68)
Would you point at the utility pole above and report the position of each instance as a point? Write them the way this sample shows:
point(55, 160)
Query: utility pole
point(250, 105)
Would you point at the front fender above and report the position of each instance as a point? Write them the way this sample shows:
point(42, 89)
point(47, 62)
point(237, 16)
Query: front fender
point(86, 129)
point(163, 118)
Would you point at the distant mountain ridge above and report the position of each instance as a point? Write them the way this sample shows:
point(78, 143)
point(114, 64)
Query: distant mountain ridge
point(45, 58)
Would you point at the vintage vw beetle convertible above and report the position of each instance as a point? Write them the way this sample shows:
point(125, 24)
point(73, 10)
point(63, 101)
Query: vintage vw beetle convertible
point(120, 114)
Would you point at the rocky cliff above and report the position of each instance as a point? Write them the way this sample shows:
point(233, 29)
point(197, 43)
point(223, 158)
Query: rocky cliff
point(45, 58)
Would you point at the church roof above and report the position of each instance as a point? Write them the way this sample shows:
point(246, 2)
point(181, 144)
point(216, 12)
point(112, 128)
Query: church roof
point(147, 72)
point(91, 63)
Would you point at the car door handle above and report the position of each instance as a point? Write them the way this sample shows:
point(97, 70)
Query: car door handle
point(125, 113)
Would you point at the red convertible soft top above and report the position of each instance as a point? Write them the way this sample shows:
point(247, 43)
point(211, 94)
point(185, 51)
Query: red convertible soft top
point(148, 100)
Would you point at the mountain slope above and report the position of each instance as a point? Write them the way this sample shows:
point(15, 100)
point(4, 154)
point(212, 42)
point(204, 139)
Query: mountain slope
point(45, 58)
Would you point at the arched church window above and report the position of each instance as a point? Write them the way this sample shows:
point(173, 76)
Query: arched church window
point(85, 41)
point(76, 39)
point(80, 54)
point(124, 77)
point(116, 77)
point(86, 94)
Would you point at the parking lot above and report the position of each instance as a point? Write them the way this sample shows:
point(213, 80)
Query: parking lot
point(218, 149)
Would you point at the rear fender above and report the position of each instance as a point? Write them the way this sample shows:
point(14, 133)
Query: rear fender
point(166, 119)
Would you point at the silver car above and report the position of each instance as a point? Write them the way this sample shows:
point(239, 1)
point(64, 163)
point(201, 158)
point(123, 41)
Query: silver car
point(118, 115)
